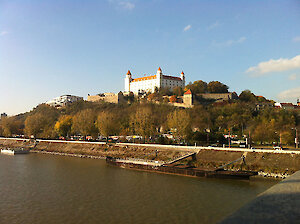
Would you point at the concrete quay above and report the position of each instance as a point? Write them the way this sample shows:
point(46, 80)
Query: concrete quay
point(279, 204)
point(174, 147)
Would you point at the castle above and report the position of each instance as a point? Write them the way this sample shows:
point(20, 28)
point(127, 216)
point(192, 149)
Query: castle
point(149, 83)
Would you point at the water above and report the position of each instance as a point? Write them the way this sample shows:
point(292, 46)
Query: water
point(39, 188)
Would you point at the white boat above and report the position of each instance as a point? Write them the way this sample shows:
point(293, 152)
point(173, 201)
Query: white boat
point(14, 151)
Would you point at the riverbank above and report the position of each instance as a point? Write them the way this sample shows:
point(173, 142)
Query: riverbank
point(276, 165)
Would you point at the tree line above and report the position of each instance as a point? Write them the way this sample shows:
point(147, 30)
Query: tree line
point(200, 124)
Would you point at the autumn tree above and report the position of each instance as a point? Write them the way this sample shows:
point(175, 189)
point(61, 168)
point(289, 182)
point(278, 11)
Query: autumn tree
point(173, 99)
point(197, 87)
point(41, 121)
point(217, 87)
point(63, 125)
point(247, 96)
point(178, 91)
point(107, 124)
point(10, 125)
point(143, 122)
point(179, 122)
point(84, 123)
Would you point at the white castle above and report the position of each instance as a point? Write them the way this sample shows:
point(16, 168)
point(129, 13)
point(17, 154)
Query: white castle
point(149, 83)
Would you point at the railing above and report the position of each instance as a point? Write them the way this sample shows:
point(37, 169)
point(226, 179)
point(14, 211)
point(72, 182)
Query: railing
point(178, 158)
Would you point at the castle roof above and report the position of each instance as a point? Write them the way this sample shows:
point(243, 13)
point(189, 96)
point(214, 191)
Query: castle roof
point(159, 69)
point(182, 73)
point(144, 78)
point(128, 73)
point(188, 92)
point(171, 77)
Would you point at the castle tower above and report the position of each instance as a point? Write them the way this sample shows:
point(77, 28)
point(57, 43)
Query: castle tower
point(188, 97)
point(182, 76)
point(159, 76)
point(128, 79)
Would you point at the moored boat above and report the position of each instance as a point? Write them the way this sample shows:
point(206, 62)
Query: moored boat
point(14, 151)
point(161, 167)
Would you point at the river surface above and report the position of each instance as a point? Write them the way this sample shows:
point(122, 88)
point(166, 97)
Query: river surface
point(39, 188)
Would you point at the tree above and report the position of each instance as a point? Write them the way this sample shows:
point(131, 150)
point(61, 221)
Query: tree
point(41, 121)
point(179, 122)
point(217, 87)
point(107, 124)
point(10, 125)
point(143, 122)
point(173, 99)
point(287, 137)
point(84, 123)
point(197, 87)
point(164, 91)
point(63, 125)
point(178, 91)
point(247, 96)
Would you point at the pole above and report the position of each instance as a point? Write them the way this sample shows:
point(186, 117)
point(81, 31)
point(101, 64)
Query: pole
point(249, 139)
point(296, 138)
point(280, 138)
point(229, 138)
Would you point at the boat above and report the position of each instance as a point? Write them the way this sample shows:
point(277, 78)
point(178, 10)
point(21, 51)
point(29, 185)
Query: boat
point(14, 151)
point(161, 167)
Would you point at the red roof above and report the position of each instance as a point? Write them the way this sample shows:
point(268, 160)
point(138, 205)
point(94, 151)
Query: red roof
point(159, 69)
point(171, 77)
point(144, 78)
point(287, 104)
point(182, 73)
point(128, 73)
point(188, 92)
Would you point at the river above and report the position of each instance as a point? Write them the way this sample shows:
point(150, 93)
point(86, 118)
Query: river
point(39, 188)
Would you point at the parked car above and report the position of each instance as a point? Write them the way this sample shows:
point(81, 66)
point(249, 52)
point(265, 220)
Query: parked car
point(277, 147)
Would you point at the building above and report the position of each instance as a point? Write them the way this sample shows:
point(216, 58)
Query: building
point(63, 100)
point(3, 115)
point(107, 97)
point(219, 97)
point(149, 83)
point(285, 106)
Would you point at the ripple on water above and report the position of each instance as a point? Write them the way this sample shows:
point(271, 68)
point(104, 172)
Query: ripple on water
point(39, 188)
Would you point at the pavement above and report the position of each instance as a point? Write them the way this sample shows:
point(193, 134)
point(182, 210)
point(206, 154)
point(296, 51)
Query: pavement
point(279, 204)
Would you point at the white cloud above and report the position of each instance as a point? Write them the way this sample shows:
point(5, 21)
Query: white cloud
point(290, 94)
point(2, 33)
point(279, 65)
point(293, 76)
point(127, 5)
point(296, 39)
point(229, 43)
point(214, 25)
point(188, 27)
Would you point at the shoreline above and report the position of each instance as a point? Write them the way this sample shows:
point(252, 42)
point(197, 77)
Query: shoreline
point(268, 165)
point(260, 173)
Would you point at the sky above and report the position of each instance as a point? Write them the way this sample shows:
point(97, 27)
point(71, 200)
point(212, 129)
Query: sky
point(56, 47)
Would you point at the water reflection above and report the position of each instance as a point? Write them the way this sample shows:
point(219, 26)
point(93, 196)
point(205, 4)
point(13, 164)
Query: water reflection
point(39, 188)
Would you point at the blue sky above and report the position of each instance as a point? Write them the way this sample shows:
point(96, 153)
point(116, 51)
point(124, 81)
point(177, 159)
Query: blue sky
point(51, 48)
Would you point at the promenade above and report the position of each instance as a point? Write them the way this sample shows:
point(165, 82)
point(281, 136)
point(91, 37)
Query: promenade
point(175, 147)
point(279, 204)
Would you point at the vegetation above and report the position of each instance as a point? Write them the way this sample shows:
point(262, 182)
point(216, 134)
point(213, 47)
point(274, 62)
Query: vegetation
point(202, 124)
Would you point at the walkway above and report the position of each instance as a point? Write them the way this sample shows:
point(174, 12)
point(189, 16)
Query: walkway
point(279, 204)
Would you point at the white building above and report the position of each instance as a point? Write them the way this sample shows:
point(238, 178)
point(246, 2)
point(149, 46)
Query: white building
point(63, 100)
point(148, 83)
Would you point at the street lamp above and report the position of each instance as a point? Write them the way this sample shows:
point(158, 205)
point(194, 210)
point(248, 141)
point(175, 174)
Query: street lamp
point(296, 137)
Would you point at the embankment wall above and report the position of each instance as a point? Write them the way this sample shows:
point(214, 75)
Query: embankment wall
point(266, 163)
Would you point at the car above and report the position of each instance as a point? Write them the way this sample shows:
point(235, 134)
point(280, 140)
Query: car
point(277, 147)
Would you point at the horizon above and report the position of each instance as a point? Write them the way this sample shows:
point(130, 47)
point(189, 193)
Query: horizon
point(52, 48)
